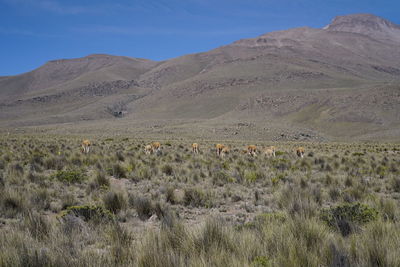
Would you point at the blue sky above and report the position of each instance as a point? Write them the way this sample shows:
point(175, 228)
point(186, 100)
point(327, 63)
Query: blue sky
point(35, 31)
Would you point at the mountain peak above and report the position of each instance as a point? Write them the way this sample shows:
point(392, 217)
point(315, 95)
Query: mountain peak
point(367, 24)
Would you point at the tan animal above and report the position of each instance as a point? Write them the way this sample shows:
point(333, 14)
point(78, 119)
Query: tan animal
point(226, 150)
point(148, 149)
point(270, 151)
point(156, 146)
point(251, 150)
point(219, 148)
point(86, 146)
point(195, 148)
point(300, 152)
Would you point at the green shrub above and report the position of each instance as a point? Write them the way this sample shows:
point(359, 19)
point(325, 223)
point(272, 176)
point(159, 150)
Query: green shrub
point(275, 180)
point(251, 176)
point(70, 176)
point(345, 216)
point(261, 261)
point(88, 212)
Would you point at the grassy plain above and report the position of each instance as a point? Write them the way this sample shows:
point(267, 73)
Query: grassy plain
point(116, 206)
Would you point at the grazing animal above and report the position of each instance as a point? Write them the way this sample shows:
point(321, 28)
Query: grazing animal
point(156, 146)
point(86, 146)
point(225, 151)
point(300, 152)
point(251, 150)
point(195, 148)
point(148, 149)
point(219, 148)
point(270, 151)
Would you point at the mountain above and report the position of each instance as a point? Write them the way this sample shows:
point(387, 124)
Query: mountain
point(341, 82)
point(366, 24)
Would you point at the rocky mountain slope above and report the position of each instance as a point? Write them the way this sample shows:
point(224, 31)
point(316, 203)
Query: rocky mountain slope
point(340, 82)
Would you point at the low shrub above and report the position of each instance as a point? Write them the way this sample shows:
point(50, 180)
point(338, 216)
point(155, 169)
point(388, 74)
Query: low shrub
point(101, 180)
point(144, 207)
point(88, 212)
point(251, 176)
point(167, 169)
point(344, 217)
point(12, 203)
point(396, 184)
point(37, 224)
point(117, 171)
point(195, 197)
point(70, 176)
point(221, 178)
point(114, 201)
point(261, 261)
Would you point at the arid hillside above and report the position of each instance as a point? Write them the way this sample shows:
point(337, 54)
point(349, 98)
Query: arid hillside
point(341, 82)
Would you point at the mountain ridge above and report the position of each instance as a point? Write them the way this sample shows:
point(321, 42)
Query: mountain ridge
point(296, 66)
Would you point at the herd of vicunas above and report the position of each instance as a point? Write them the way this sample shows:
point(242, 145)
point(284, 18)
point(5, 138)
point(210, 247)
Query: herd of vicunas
point(220, 149)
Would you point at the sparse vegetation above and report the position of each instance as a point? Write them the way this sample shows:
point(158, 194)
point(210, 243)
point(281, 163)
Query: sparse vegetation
point(117, 206)
point(70, 176)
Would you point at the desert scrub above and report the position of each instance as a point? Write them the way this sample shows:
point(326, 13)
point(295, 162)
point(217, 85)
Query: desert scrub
point(262, 220)
point(347, 216)
point(280, 177)
point(12, 203)
point(388, 209)
point(395, 183)
point(143, 173)
point(167, 169)
point(100, 181)
point(377, 245)
point(143, 206)
point(252, 176)
point(115, 201)
point(221, 178)
point(55, 162)
point(196, 197)
point(117, 170)
point(272, 216)
point(281, 164)
point(174, 196)
point(261, 261)
point(71, 176)
point(40, 198)
point(215, 235)
point(88, 212)
point(37, 225)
